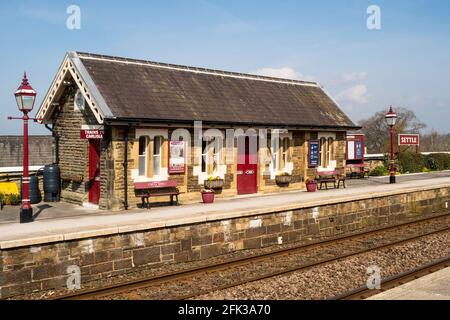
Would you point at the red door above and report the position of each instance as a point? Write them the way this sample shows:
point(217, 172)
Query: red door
point(94, 171)
point(247, 168)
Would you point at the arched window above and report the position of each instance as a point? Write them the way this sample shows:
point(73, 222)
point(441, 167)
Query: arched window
point(157, 146)
point(330, 150)
point(142, 156)
point(204, 156)
point(275, 153)
point(285, 151)
point(323, 152)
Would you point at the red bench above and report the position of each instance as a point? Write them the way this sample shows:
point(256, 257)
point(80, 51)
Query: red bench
point(358, 171)
point(330, 177)
point(145, 190)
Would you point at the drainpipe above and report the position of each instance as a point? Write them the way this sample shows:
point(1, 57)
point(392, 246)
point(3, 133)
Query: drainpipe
point(55, 136)
point(125, 169)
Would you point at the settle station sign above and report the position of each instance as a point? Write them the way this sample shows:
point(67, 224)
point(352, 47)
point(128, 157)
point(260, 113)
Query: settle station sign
point(408, 140)
point(119, 122)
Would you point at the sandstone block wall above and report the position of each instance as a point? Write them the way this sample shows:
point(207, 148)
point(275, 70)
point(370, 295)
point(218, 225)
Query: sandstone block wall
point(44, 267)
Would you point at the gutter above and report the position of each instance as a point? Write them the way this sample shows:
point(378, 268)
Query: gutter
point(125, 168)
point(174, 123)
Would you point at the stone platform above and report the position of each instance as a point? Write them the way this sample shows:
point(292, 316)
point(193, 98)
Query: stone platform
point(435, 286)
point(38, 256)
point(65, 222)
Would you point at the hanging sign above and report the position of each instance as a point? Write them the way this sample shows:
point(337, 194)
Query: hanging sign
point(408, 140)
point(176, 157)
point(91, 134)
point(313, 158)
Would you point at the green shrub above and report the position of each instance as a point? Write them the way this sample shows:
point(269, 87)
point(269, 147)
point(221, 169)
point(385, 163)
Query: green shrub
point(411, 162)
point(378, 171)
point(14, 199)
point(439, 161)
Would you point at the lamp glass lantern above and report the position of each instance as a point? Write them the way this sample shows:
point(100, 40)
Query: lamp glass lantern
point(391, 118)
point(25, 96)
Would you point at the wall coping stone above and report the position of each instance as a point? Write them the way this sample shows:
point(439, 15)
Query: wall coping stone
point(46, 236)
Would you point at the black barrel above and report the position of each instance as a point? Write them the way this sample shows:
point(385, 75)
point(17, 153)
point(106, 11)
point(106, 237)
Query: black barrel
point(51, 183)
point(34, 194)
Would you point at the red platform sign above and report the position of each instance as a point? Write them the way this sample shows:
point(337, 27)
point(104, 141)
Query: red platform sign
point(91, 134)
point(408, 140)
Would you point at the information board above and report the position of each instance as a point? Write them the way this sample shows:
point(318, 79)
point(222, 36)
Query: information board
point(313, 155)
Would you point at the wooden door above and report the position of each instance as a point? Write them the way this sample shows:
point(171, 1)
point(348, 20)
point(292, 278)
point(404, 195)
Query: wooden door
point(247, 168)
point(94, 171)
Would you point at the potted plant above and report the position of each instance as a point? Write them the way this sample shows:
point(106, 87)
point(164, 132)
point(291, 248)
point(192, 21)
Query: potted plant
point(214, 183)
point(14, 199)
point(207, 195)
point(283, 179)
point(311, 185)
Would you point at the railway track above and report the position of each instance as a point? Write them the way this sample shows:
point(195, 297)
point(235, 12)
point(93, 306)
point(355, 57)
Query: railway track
point(388, 283)
point(360, 238)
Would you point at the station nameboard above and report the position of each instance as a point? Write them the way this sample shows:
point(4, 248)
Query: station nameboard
point(313, 155)
point(91, 134)
point(408, 140)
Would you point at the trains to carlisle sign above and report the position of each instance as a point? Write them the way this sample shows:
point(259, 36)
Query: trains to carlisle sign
point(408, 140)
point(91, 134)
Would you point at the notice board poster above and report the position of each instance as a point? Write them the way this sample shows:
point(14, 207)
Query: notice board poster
point(176, 157)
point(358, 150)
point(313, 155)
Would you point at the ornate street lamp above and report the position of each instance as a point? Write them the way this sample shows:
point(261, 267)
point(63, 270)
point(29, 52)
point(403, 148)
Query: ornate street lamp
point(391, 119)
point(25, 98)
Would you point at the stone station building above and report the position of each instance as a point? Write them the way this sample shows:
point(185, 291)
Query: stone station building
point(118, 121)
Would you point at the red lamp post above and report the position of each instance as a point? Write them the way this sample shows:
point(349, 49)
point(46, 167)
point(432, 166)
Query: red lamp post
point(25, 97)
point(391, 119)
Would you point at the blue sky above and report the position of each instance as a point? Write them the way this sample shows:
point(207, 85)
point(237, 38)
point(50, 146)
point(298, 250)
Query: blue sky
point(406, 63)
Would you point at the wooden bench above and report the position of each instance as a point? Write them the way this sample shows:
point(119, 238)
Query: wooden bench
point(145, 190)
point(358, 171)
point(335, 176)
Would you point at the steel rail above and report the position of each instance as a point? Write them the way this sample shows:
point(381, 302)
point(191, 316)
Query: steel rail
point(236, 262)
point(391, 282)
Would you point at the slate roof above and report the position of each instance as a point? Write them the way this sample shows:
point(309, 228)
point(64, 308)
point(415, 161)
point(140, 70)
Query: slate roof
point(151, 91)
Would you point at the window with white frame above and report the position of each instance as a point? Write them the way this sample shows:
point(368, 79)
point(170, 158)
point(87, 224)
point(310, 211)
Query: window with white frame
point(157, 146)
point(285, 151)
point(330, 150)
point(275, 154)
point(204, 156)
point(142, 156)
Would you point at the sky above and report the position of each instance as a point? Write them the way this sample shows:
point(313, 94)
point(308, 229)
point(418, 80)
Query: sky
point(405, 62)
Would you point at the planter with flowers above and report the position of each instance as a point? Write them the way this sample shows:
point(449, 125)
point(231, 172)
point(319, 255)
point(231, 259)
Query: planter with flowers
point(283, 179)
point(311, 185)
point(208, 195)
point(214, 183)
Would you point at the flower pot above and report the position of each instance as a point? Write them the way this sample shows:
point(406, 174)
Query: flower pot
point(208, 196)
point(283, 181)
point(213, 184)
point(311, 187)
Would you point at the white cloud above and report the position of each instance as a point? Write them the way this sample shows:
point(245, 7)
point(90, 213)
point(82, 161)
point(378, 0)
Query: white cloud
point(355, 94)
point(284, 72)
point(354, 76)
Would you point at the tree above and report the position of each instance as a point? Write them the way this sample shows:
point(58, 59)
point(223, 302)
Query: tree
point(376, 129)
point(435, 142)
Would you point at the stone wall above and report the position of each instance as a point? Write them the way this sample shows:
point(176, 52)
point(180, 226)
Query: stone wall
point(188, 182)
point(73, 151)
point(41, 150)
point(41, 268)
